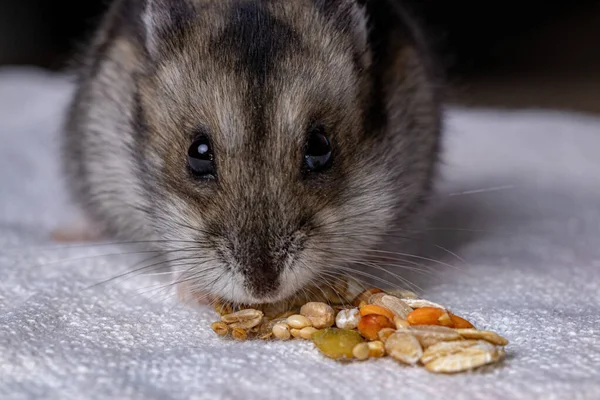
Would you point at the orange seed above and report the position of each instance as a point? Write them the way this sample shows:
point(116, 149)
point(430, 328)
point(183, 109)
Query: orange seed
point(461, 323)
point(376, 310)
point(370, 325)
point(425, 316)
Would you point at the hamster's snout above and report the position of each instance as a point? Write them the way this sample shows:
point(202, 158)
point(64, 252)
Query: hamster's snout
point(262, 258)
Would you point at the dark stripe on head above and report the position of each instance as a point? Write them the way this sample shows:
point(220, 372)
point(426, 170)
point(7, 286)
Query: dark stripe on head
point(256, 39)
point(253, 43)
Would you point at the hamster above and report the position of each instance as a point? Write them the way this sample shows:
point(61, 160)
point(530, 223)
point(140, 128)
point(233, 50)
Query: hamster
point(261, 145)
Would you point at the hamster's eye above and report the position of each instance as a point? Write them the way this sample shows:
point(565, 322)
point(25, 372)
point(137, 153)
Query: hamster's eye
point(201, 159)
point(317, 155)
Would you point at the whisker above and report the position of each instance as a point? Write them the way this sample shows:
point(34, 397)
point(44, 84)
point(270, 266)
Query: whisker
point(98, 244)
point(165, 262)
point(371, 276)
point(400, 254)
point(385, 234)
point(484, 190)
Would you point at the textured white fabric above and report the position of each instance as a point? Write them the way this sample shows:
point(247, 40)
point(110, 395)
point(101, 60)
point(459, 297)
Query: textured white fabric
point(531, 272)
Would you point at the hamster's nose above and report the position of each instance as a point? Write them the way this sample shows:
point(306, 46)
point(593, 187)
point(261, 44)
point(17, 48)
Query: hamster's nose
point(262, 278)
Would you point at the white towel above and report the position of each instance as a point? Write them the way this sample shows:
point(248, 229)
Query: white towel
point(520, 203)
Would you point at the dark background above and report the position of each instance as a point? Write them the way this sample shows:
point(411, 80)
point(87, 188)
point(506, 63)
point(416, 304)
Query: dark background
point(503, 53)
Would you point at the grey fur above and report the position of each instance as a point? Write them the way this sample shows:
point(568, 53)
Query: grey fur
point(253, 75)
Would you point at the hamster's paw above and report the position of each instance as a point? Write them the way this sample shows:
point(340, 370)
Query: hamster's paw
point(186, 295)
point(78, 230)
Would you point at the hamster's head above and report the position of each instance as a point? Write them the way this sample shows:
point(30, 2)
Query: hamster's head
point(277, 146)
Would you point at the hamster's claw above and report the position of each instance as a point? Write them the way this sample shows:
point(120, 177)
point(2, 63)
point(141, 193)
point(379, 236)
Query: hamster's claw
point(78, 230)
point(187, 296)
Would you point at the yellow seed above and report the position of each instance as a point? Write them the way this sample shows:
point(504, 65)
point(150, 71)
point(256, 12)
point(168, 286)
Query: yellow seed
point(298, 321)
point(361, 351)
point(220, 328)
point(295, 333)
point(401, 323)
point(337, 343)
point(376, 349)
point(239, 334)
point(281, 331)
point(321, 315)
point(306, 333)
point(385, 333)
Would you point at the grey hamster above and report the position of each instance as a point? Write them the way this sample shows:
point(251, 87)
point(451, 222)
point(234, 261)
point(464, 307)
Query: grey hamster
point(261, 145)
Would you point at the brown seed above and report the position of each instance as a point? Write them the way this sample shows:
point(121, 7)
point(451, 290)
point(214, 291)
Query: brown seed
point(404, 347)
point(306, 333)
point(239, 334)
point(298, 321)
point(428, 335)
point(376, 349)
point(425, 316)
point(385, 333)
point(281, 331)
point(361, 351)
point(220, 328)
point(348, 318)
point(321, 315)
point(488, 336)
point(370, 325)
point(245, 319)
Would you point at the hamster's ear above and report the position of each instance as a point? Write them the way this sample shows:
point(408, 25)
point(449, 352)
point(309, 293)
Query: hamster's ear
point(349, 16)
point(162, 19)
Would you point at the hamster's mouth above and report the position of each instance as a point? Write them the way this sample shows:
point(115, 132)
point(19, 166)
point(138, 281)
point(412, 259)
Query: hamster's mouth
point(237, 294)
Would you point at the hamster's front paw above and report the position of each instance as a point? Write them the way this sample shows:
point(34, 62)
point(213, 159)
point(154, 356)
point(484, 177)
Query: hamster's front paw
point(186, 295)
point(78, 230)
